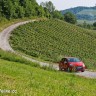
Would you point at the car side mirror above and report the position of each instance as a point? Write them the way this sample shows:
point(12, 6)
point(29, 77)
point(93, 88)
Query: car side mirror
point(65, 62)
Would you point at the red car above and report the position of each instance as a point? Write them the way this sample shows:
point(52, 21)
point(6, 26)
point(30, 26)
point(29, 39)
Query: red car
point(71, 64)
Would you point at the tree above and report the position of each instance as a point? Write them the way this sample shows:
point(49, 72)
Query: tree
point(85, 24)
point(21, 12)
point(47, 14)
point(57, 14)
point(40, 11)
point(70, 18)
point(20, 8)
point(7, 8)
point(43, 4)
point(89, 26)
point(94, 24)
point(49, 5)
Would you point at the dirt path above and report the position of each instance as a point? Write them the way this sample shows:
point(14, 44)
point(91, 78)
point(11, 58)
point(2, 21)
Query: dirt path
point(4, 36)
point(4, 45)
point(4, 42)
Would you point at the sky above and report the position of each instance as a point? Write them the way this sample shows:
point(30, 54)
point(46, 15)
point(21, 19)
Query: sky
point(65, 4)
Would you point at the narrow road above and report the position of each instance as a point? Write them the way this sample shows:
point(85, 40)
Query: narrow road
point(4, 42)
point(4, 45)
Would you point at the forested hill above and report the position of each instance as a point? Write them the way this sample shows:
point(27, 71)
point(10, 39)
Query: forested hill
point(21, 8)
point(13, 9)
point(87, 13)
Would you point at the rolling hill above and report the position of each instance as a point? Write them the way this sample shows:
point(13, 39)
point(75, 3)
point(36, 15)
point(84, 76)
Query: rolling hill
point(51, 40)
point(83, 13)
point(19, 77)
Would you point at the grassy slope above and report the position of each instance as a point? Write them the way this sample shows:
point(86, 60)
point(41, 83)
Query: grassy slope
point(30, 81)
point(5, 23)
point(52, 39)
point(11, 57)
point(16, 74)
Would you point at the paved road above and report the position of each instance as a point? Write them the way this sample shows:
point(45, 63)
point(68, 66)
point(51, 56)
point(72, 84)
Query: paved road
point(87, 74)
point(4, 45)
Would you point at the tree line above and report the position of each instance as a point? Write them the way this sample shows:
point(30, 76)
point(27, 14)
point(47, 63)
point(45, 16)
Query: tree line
point(21, 8)
point(26, 8)
point(88, 26)
point(13, 9)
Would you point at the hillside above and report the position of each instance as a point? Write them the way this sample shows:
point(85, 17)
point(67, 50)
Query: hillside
point(19, 77)
point(51, 40)
point(31, 81)
point(25, 79)
point(83, 13)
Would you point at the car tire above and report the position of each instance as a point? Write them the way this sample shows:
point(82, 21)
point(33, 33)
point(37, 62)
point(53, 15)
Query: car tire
point(82, 70)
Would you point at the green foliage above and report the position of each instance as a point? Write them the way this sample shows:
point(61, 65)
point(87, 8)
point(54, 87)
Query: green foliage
point(30, 81)
point(40, 11)
point(94, 24)
point(50, 11)
point(20, 8)
point(8, 56)
point(57, 14)
point(52, 39)
point(83, 13)
point(47, 13)
point(86, 25)
point(21, 12)
point(13, 9)
point(48, 5)
point(70, 18)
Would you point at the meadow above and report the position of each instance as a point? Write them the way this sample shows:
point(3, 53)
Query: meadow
point(19, 77)
point(32, 81)
point(12, 57)
point(50, 40)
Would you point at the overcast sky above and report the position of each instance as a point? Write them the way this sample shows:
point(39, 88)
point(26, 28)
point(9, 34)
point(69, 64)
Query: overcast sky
point(65, 4)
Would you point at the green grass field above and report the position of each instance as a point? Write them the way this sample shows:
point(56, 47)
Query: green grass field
point(11, 57)
point(29, 79)
point(32, 81)
point(51, 40)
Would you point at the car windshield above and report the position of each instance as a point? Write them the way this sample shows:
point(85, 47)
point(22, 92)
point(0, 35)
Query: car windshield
point(73, 60)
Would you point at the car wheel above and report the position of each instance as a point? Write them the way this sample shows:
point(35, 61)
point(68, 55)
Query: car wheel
point(83, 70)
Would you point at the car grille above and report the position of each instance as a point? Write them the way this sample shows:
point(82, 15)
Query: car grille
point(79, 67)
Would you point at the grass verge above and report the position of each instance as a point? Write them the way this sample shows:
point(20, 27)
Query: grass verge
point(31, 81)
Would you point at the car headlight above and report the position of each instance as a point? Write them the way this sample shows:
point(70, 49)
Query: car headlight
point(83, 65)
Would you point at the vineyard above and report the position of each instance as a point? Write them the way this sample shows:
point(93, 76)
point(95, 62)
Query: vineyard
point(51, 40)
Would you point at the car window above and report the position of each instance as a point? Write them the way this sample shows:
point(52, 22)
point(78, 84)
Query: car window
point(73, 60)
